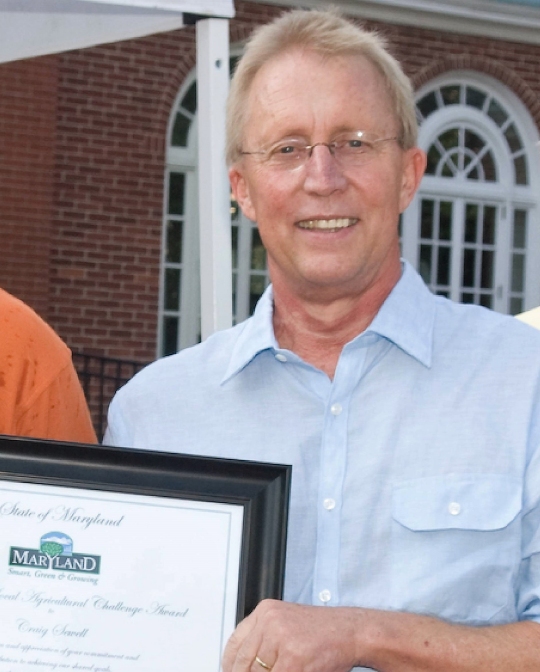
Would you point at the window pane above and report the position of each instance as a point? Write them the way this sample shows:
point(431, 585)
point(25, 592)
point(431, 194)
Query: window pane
point(180, 130)
point(234, 286)
point(189, 101)
point(469, 263)
point(485, 300)
point(467, 298)
point(513, 139)
point(173, 253)
point(488, 237)
point(445, 220)
point(172, 289)
point(447, 168)
point(486, 275)
point(450, 138)
point(256, 288)
point(450, 94)
point(520, 228)
point(443, 267)
point(473, 174)
point(471, 223)
point(520, 166)
point(170, 335)
point(425, 263)
point(516, 305)
point(475, 98)
point(490, 170)
point(176, 193)
point(428, 104)
point(258, 253)
point(234, 246)
point(497, 113)
point(433, 158)
point(473, 142)
point(234, 291)
point(518, 272)
point(426, 223)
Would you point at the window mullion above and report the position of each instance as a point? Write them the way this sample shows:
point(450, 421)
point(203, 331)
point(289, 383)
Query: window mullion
point(458, 217)
point(503, 267)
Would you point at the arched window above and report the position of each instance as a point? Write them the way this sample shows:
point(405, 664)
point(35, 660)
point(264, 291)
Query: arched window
point(179, 295)
point(179, 315)
point(473, 231)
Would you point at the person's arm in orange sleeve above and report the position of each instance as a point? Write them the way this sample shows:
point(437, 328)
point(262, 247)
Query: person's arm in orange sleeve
point(40, 392)
point(59, 412)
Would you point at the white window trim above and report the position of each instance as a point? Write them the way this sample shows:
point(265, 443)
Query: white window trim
point(183, 160)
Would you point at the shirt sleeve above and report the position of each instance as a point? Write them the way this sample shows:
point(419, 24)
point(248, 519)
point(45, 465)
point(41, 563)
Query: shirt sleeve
point(59, 412)
point(528, 594)
point(117, 433)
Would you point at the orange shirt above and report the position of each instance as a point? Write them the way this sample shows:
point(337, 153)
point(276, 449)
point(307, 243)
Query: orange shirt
point(40, 392)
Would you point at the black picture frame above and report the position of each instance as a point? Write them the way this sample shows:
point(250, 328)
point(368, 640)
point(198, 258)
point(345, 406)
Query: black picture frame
point(261, 489)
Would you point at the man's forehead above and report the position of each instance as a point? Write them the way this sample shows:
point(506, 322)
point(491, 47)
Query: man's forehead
point(303, 82)
point(288, 64)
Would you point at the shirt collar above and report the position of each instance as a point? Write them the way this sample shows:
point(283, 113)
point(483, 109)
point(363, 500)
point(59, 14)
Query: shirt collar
point(406, 318)
point(257, 335)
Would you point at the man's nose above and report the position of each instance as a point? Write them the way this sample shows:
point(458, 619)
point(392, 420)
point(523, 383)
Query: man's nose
point(323, 173)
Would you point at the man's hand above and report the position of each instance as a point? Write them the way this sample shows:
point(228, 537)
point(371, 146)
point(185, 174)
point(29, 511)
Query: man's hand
point(287, 637)
point(293, 638)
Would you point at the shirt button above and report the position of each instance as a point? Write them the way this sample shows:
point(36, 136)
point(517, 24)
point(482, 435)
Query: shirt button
point(280, 357)
point(329, 503)
point(325, 595)
point(336, 409)
point(454, 508)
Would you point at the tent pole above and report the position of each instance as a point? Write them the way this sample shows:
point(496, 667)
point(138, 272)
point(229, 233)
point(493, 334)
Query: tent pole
point(214, 192)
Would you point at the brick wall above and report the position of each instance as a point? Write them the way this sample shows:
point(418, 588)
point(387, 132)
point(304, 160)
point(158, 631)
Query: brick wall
point(114, 104)
point(27, 138)
point(82, 140)
point(426, 54)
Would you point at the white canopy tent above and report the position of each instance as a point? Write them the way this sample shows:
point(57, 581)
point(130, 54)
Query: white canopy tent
point(30, 28)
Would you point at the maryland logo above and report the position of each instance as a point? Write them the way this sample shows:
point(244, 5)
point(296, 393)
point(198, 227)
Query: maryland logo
point(55, 553)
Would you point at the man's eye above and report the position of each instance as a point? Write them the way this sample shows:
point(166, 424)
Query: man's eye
point(356, 144)
point(286, 149)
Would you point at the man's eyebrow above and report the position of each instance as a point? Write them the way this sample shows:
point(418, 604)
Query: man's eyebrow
point(299, 134)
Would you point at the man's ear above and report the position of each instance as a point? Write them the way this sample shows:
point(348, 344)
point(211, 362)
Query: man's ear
point(241, 192)
point(414, 166)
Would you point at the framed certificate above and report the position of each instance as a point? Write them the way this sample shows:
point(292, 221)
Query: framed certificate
point(117, 560)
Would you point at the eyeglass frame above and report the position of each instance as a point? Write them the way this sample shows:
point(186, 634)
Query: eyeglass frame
point(308, 149)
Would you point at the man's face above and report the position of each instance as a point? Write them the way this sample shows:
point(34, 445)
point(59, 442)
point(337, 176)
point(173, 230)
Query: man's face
point(328, 231)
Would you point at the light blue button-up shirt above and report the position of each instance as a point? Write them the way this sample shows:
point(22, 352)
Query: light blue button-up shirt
point(416, 471)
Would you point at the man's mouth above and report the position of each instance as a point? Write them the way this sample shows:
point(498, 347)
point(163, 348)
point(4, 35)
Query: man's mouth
point(327, 224)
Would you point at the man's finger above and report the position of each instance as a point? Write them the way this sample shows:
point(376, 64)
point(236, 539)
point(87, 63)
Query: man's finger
point(242, 647)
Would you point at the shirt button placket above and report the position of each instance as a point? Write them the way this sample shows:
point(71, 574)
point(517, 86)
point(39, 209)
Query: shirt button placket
point(334, 449)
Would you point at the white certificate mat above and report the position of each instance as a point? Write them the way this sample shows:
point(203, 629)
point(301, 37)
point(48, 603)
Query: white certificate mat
point(114, 582)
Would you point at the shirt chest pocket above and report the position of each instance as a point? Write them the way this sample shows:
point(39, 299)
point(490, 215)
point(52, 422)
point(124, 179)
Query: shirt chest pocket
point(456, 546)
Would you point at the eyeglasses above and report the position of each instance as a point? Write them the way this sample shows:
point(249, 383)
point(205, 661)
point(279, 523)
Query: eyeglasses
point(348, 149)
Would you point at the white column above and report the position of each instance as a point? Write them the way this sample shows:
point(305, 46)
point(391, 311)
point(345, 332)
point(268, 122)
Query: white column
point(214, 199)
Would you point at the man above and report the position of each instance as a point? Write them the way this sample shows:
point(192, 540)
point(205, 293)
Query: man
point(411, 422)
point(40, 393)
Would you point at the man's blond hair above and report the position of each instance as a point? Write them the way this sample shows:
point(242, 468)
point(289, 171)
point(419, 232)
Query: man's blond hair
point(326, 33)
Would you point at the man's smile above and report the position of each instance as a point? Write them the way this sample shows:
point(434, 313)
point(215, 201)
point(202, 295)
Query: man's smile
point(327, 224)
